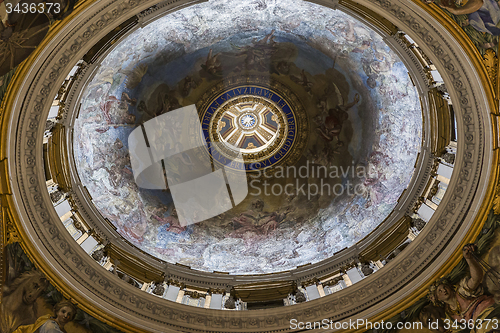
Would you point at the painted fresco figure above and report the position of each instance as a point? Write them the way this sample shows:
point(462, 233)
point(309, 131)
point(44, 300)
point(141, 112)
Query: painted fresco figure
point(258, 55)
point(432, 315)
point(272, 221)
point(482, 15)
point(332, 126)
point(466, 300)
point(115, 112)
point(257, 221)
point(303, 81)
point(212, 64)
point(326, 155)
point(64, 312)
point(248, 220)
point(171, 221)
point(491, 277)
point(18, 304)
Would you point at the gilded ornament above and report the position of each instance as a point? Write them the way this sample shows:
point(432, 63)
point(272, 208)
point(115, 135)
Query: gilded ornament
point(12, 235)
point(490, 61)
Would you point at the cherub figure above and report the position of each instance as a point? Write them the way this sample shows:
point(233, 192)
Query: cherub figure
point(259, 54)
point(18, 304)
point(189, 84)
point(248, 220)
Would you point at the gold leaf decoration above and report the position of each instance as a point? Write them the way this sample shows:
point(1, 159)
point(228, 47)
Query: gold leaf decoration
point(491, 64)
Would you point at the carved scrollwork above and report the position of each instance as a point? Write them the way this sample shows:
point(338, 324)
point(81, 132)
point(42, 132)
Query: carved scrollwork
point(194, 294)
point(333, 281)
point(433, 190)
point(216, 291)
point(49, 124)
point(442, 89)
point(310, 282)
point(496, 200)
point(12, 235)
point(419, 203)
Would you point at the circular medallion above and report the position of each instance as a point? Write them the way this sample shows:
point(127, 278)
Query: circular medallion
point(252, 125)
point(248, 121)
point(253, 120)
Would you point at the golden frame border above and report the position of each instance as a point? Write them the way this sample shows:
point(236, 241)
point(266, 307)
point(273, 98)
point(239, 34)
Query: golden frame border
point(454, 30)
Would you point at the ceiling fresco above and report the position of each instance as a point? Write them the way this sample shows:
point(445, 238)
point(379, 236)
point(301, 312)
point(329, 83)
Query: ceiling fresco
point(360, 119)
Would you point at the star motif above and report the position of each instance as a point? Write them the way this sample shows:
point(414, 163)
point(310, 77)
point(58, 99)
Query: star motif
point(247, 120)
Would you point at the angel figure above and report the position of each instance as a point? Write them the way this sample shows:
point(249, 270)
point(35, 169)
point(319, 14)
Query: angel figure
point(332, 126)
point(482, 15)
point(173, 221)
point(272, 221)
point(467, 300)
point(212, 64)
point(64, 312)
point(303, 81)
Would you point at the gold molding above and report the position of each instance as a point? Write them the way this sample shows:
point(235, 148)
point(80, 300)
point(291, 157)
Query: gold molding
point(4, 183)
point(492, 67)
point(264, 291)
point(133, 266)
point(384, 244)
point(58, 158)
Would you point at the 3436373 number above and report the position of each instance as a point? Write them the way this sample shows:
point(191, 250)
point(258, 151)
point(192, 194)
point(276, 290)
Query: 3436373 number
point(471, 324)
point(24, 8)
